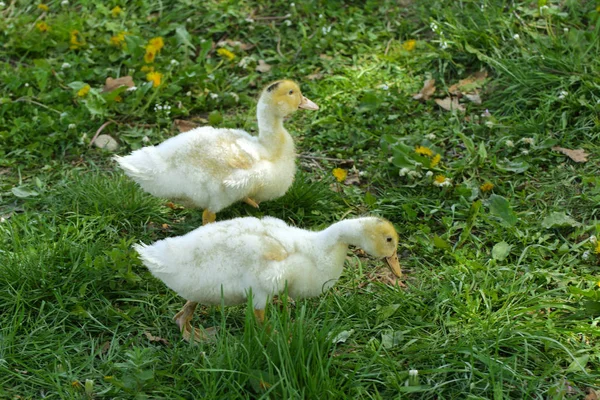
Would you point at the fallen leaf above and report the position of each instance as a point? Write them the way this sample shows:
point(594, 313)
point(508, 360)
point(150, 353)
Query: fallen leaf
point(314, 76)
point(106, 142)
point(559, 219)
point(473, 97)
point(591, 394)
point(578, 155)
point(450, 104)
point(353, 178)
point(113, 84)
point(469, 84)
point(342, 336)
point(263, 66)
point(325, 57)
point(184, 126)
point(158, 339)
point(427, 91)
point(23, 193)
point(235, 43)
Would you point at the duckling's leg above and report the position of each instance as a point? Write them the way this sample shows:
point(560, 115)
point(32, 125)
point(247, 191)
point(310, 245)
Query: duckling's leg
point(251, 202)
point(260, 315)
point(208, 217)
point(183, 318)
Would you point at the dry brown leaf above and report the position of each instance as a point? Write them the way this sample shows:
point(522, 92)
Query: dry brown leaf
point(450, 104)
point(473, 97)
point(592, 394)
point(184, 126)
point(314, 76)
point(578, 155)
point(353, 178)
point(263, 66)
point(468, 84)
point(158, 339)
point(105, 347)
point(113, 84)
point(325, 57)
point(235, 43)
point(427, 91)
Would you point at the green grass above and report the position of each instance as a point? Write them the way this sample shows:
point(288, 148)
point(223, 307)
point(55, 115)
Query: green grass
point(503, 286)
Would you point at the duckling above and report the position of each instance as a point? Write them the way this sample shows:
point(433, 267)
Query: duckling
point(212, 168)
point(223, 261)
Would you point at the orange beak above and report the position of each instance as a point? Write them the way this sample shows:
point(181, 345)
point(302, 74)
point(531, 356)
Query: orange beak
point(394, 264)
point(306, 104)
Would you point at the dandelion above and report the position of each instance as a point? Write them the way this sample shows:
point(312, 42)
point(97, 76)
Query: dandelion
point(65, 65)
point(118, 39)
point(435, 160)
point(150, 54)
point(76, 384)
point(509, 143)
point(118, 99)
point(409, 45)
point(155, 78)
point(528, 141)
point(147, 68)
point(158, 43)
point(42, 26)
point(223, 52)
point(486, 187)
point(84, 90)
point(340, 174)
point(441, 181)
point(424, 151)
point(597, 249)
point(116, 11)
point(74, 42)
point(43, 7)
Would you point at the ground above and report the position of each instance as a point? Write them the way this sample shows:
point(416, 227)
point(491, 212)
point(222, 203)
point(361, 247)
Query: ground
point(497, 215)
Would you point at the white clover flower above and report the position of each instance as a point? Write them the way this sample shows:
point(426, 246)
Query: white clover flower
point(593, 239)
point(414, 174)
point(249, 20)
point(486, 113)
point(292, 5)
point(145, 139)
point(72, 126)
point(565, 29)
point(188, 93)
point(131, 89)
point(174, 62)
point(563, 94)
point(287, 22)
point(443, 45)
point(213, 96)
point(585, 255)
point(2, 4)
point(65, 65)
point(27, 85)
point(64, 3)
point(403, 172)
point(433, 26)
point(326, 29)
point(320, 15)
point(211, 77)
point(528, 140)
point(430, 136)
point(413, 372)
point(524, 152)
point(516, 36)
point(509, 143)
point(384, 87)
point(189, 21)
point(235, 96)
point(429, 174)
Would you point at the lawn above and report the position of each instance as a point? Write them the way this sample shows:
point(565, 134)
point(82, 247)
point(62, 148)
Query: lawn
point(492, 181)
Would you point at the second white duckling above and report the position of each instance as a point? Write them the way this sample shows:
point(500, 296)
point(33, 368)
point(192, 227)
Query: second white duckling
point(213, 168)
point(226, 260)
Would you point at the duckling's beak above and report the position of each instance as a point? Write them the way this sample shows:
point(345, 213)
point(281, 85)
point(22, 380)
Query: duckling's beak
point(306, 104)
point(394, 264)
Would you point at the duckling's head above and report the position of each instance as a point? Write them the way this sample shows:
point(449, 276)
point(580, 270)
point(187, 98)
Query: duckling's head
point(381, 240)
point(284, 97)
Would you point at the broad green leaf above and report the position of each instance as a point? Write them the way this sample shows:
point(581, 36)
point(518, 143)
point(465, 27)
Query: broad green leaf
point(501, 250)
point(390, 339)
point(513, 166)
point(183, 37)
point(441, 243)
point(578, 364)
point(559, 220)
point(500, 207)
point(370, 199)
point(23, 193)
point(387, 311)
point(342, 336)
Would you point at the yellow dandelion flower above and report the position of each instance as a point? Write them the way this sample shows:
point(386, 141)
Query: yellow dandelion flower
point(150, 54)
point(424, 151)
point(43, 7)
point(74, 42)
point(42, 26)
point(158, 43)
point(76, 384)
point(223, 52)
point(409, 45)
point(435, 161)
point(116, 11)
point(147, 68)
point(155, 78)
point(439, 179)
point(486, 187)
point(340, 174)
point(118, 99)
point(84, 90)
point(597, 249)
point(118, 40)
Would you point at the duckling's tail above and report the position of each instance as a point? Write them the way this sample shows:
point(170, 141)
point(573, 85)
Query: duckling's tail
point(149, 260)
point(141, 165)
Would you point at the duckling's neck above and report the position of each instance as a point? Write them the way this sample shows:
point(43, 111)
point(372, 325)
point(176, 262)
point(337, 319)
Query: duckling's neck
point(343, 233)
point(270, 125)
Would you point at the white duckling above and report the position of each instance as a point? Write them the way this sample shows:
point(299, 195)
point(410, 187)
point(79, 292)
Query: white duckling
point(227, 259)
point(213, 168)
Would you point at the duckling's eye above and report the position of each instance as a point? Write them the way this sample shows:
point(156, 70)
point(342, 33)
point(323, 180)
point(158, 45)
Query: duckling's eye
point(389, 239)
point(291, 92)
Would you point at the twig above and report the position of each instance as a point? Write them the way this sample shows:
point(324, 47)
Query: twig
point(387, 48)
point(309, 157)
point(104, 125)
point(272, 18)
point(28, 100)
point(279, 48)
